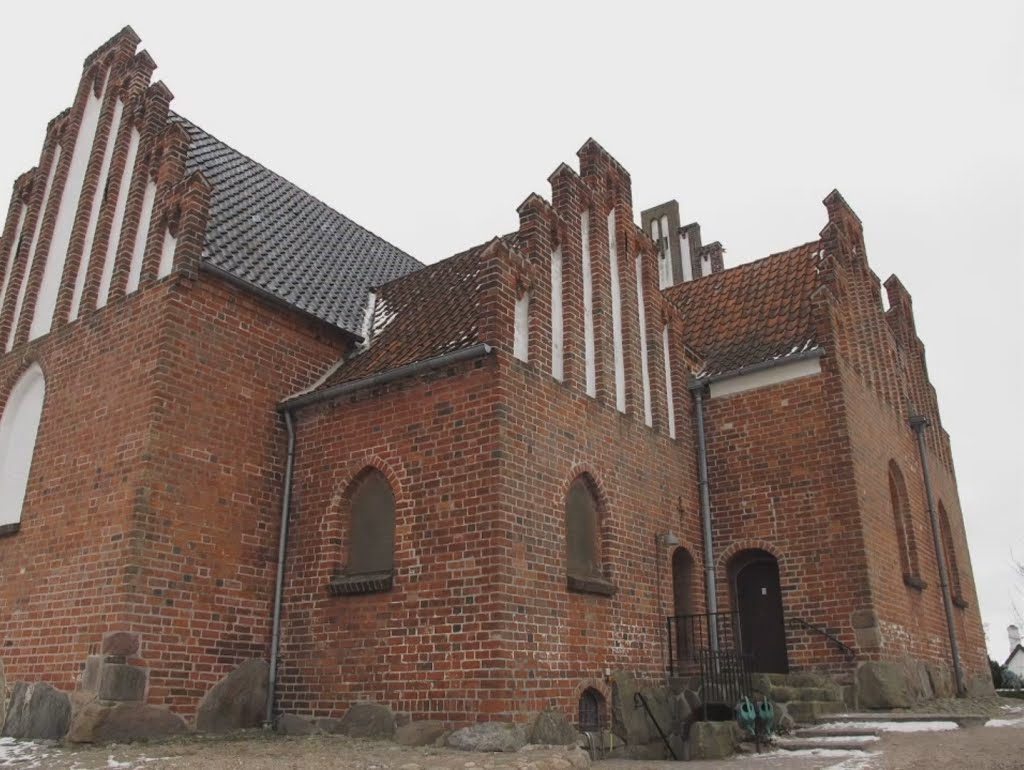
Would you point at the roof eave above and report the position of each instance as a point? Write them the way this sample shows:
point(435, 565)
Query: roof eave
point(479, 350)
point(208, 267)
point(697, 383)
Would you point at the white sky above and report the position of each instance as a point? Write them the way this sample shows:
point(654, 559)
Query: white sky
point(429, 123)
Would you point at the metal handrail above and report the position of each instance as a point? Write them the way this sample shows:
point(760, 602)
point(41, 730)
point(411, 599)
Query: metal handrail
point(688, 635)
point(639, 699)
point(847, 651)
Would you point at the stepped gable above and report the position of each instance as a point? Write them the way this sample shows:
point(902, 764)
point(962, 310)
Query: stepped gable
point(752, 313)
point(420, 316)
point(267, 232)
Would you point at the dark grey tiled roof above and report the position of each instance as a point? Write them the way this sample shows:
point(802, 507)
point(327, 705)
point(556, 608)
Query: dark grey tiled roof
point(270, 233)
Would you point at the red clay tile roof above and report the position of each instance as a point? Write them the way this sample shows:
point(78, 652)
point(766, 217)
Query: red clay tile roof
point(419, 316)
point(751, 313)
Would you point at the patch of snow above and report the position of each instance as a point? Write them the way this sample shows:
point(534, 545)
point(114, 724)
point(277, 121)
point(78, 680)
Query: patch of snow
point(897, 727)
point(113, 763)
point(22, 754)
point(845, 754)
point(366, 328)
point(1019, 722)
point(382, 317)
point(856, 763)
point(843, 738)
point(824, 753)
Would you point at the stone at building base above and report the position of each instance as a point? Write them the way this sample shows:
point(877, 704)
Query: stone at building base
point(123, 643)
point(96, 722)
point(425, 733)
point(3, 695)
point(551, 728)
point(237, 701)
point(711, 740)
point(488, 736)
point(980, 686)
point(292, 724)
point(368, 720)
point(941, 680)
point(883, 685)
point(37, 711)
point(630, 720)
point(123, 683)
point(328, 725)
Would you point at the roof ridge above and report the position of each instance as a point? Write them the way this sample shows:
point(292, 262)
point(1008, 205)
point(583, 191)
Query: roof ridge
point(176, 115)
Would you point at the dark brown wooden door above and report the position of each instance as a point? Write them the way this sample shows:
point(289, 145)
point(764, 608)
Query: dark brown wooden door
point(759, 596)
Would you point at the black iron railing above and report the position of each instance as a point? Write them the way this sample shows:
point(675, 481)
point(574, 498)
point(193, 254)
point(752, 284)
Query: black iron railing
point(689, 635)
point(724, 677)
point(847, 651)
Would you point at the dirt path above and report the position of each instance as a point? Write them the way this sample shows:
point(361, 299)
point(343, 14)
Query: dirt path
point(997, 746)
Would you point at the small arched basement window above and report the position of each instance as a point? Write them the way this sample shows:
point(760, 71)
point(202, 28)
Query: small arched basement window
point(371, 537)
point(19, 427)
point(591, 711)
point(583, 539)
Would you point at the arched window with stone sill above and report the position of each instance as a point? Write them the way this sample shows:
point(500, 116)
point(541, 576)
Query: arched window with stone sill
point(370, 536)
point(583, 520)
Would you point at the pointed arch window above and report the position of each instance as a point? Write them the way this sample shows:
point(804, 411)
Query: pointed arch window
point(370, 536)
point(949, 553)
point(904, 523)
point(583, 539)
point(19, 428)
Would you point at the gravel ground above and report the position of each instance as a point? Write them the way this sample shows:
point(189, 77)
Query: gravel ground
point(997, 746)
point(270, 752)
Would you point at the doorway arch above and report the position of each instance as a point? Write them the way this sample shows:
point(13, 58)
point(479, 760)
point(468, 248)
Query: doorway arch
point(757, 597)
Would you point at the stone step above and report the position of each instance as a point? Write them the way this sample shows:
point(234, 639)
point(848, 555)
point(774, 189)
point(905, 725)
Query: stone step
point(835, 744)
point(811, 711)
point(962, 720)
point(825, 731)
point(798, 679)
point(787, 694)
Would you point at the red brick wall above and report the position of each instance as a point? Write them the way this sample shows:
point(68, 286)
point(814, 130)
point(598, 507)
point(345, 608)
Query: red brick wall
point(780, 480)
point(433, 644)
point(154, 497)
point(62, 575)
point(885, 382)
point(560, 640)
point(206, 521)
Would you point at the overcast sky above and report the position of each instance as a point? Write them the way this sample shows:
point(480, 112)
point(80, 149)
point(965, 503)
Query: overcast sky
point(430, 122)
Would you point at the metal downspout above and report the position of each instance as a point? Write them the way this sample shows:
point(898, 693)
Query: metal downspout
point(710, 583)
point(919, 423)
point(275, 634)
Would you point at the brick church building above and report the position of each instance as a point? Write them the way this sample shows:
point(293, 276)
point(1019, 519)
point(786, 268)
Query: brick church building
point(237, 426)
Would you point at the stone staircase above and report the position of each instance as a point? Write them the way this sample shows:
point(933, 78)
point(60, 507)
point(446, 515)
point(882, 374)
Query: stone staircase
point(836, 738)
point(859, 732)
point(804, 697)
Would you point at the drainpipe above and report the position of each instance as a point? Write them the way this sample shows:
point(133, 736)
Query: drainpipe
point(710, 584)
point(919, 423)
point(275, 634)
